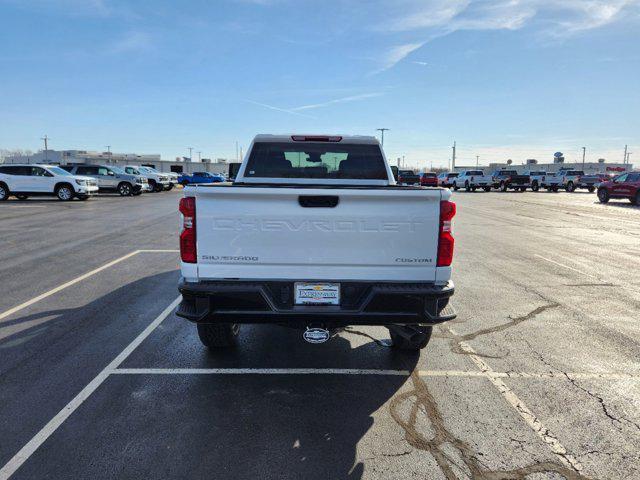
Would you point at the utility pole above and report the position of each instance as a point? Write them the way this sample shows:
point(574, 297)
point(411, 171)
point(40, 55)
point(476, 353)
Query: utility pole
point(382, 130)
point(190, 152)
point(453, 158)
point(584, 151)
point(199, 156)
point(46, 147)
point(108, 147)
point(477, 160)
point(625, 154)
point(403, 164)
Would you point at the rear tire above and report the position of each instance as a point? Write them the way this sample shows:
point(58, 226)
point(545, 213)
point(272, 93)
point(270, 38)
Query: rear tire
point(218, 335)
point(635, 200)
point(592, 189)
point(535, 187)
point(487, 189)
point(603, 195)
point(503, 187)
point(404, 344)
point(467, 187)
point(4, 192)
point(570, 187)
point(554, 189)
point(455, 187)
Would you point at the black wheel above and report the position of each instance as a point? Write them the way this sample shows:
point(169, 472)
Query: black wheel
point(153, 185)
point(535, 187)
point(570, 187)
point(554, 189)
point(503, 187)
point(455, 187)
point(218, 335)
point(402, 343)
point(170, 187)
point(636, 199)
point(487, 189)
point(22, 196)
point(124, 189)
point(4, 192)
point(603, 195)
point(65, 192)
point(523, 189)
point(467, 187)
point(591, 189)
point(473, 189)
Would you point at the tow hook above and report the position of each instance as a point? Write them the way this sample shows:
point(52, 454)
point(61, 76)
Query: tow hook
point(408, 333)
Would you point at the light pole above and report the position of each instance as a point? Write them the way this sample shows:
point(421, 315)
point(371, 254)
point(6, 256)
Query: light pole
point(46, 148)
point(382, 130)
point(477, 160)
point(190, 151)
point(200, 156)
point(109, 152)
point(584, 152)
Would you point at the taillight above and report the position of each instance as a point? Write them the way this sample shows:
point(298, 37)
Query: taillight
point(445, 238)
point(188, 251)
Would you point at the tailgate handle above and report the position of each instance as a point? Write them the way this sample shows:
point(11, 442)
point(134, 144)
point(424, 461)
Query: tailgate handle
point(318, 201)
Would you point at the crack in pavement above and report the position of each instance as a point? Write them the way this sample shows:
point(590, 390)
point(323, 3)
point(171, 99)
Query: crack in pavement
point(423, 400)
point(614, 419)
point(456, 340)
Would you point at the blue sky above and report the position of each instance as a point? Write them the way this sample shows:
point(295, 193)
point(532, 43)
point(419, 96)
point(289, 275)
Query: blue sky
point(505, 79)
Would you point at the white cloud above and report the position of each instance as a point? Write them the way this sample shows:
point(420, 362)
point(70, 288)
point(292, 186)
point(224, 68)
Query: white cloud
point(429, 19)
point(133, 41)
point(351, 98)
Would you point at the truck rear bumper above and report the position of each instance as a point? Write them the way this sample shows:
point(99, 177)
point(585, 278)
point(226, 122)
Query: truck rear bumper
point(362, 303)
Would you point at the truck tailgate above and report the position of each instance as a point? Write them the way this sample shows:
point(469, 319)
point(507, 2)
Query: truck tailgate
point(386, 234)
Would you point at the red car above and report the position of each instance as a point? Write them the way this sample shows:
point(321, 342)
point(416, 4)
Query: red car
point(626, 185)
point(428, 179)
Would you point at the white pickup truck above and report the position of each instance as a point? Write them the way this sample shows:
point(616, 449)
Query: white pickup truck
point(471, 180)
point(315, 234)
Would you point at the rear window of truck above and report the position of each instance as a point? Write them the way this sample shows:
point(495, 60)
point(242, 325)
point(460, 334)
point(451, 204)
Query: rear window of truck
point(316, 160)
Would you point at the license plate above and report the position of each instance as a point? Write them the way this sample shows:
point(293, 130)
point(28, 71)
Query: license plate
point(317, 293)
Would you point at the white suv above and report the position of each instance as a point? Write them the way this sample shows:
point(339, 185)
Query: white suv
point(24, 181)
point(157, 181)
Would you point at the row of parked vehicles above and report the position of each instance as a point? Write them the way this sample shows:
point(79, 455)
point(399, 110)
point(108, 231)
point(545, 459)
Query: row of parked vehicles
point(625, 186)
point(67, 182)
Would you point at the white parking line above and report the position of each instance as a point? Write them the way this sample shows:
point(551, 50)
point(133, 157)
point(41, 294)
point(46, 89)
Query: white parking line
point(564, 266)
point(519, 406)
point(59, 288)
point(365, 371)
point(33, 444)
point(258, 371)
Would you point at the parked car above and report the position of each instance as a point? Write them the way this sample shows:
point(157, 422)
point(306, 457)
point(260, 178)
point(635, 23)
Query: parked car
point(157, 181)
point(446, 179)
point(408, 177)
point(506, 179)
point(111, 179)
point(429, 179)
point(471, 180)
point(24, 181)
point(626, 186)
point(358, 253)
point(150, 171)
point(200, 177)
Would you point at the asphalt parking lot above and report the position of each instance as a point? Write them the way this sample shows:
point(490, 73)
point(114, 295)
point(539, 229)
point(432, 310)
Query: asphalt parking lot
point(538, 377)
